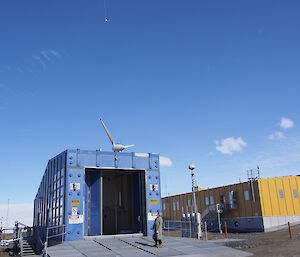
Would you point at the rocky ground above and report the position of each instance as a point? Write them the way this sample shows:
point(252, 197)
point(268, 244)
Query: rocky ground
point(269, 244)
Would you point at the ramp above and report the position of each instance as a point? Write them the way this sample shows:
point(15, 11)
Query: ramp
point(142, 247)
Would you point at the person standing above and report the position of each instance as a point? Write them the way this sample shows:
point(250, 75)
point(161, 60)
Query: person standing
point(157, 231)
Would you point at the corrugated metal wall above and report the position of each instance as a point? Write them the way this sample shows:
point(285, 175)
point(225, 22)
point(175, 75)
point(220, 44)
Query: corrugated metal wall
point(280, 196)
point(51, 193)
point(248, 204)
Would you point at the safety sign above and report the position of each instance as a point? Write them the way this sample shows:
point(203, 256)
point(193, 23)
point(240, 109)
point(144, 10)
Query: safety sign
point(75, 203)
point(75, 219)
point(154, 187)
point(74, 186)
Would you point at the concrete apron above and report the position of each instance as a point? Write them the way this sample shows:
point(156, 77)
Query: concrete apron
point(137, 246)
point(113, 236)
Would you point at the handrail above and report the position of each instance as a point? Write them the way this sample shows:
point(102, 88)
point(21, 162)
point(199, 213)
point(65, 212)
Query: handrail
point(55, 235)
point(56, 226)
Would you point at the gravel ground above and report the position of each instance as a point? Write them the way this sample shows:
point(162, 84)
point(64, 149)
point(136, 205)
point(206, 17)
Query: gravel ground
point(269, 244)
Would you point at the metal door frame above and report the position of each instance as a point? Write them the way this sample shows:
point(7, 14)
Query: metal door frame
point(142, 195)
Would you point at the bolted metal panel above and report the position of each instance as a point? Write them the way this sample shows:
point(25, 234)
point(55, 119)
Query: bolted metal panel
point(63, 190)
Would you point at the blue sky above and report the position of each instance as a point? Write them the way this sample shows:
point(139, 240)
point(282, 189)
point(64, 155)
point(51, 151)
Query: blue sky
point(196, 81)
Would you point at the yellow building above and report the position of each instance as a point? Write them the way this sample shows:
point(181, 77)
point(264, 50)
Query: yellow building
point(257, 205)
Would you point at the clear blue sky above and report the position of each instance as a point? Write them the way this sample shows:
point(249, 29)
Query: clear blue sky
point(173, 77)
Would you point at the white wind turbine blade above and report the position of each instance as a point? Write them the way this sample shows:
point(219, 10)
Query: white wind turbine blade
point(107, 132)
point(127, 146)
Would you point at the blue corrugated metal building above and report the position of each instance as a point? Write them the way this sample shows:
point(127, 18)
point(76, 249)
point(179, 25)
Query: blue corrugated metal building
point(99, 193)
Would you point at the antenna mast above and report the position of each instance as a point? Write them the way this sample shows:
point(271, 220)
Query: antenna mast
point(7, 214)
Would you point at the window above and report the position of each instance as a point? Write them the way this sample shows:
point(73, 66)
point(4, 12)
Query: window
point(295, 193)
point(232, 199)
point(164, 206)
point(206, 200)
point(222, 198)
point(177, 205)
point(246, 194)
point(212, 199)
point(174, 206)
point(280, 193)
point(189, 202)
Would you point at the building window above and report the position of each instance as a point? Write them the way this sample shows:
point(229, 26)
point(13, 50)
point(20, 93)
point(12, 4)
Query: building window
point(212, 199)
point(189, 202)
point(206, 200)
point(177, 205)
point(174, 206)
point(222, 198)
point(232, 199)
point(280, 193)
point(295, 193)
point(164, 206)
point(246, 194)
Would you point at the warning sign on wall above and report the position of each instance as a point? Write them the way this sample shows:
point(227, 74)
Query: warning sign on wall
point(74, 211)
point(75, 203)
point(74, 186)
point(153, 202)
point(154, 187)
point(75, 219)
point(152, 216)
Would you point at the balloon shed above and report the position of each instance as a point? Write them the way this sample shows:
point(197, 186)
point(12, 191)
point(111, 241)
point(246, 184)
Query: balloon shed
point(92, 193)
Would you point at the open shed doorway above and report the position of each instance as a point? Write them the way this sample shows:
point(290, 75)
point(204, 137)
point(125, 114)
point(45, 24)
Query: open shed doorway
point(116, 201)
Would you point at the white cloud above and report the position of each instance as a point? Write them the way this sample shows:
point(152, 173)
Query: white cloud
point(230, 145)
point(286, 123)
point(278, 135)
point(55, 53)
point(45, 56)
point(39, 59)
point(165, 161)
point(16, 212)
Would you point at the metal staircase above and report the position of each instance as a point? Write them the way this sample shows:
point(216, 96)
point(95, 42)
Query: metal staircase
point(209, 214)
point(27, 249)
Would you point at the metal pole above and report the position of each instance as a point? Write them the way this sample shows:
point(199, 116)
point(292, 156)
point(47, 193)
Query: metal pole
point(194, 193)
point(219, 218)
point(47, 234)
point(205, 226)
point(198, 222)
point(191, 168)
point(63, 232)
point(21, 243)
